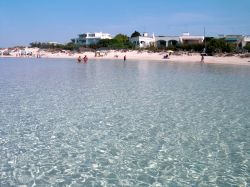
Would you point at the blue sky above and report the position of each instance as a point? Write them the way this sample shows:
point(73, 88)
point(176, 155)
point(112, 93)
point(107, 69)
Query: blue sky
point(25, 21)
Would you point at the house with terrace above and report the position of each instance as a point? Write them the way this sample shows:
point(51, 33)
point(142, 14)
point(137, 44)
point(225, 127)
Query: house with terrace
point(88, 38)
point(188, 39)
point(166, 41)
point(143, 41)
point(245, 41)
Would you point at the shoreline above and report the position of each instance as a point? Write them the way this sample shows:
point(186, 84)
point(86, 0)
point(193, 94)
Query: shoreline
point(133, 55)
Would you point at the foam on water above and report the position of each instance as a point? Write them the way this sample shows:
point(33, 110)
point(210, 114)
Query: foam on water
point(110, 123)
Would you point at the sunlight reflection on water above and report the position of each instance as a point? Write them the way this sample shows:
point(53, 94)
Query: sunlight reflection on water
point(110, 123)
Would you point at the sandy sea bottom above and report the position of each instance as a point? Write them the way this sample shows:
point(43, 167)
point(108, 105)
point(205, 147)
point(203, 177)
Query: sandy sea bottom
point(115, 123)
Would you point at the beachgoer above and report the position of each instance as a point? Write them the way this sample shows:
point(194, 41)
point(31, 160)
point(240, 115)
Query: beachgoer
point(166, 56)
point(85, 59)
point(124, 58)
point(79, 59)
point(202, 58)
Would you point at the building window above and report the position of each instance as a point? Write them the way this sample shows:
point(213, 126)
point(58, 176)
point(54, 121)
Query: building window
point(83, 35)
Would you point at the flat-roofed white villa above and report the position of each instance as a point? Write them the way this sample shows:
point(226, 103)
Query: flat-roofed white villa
point(88, 38)
point(54, 43)
point(245, 41)
point(165, 41)
point(186, 38)
point(143, 41)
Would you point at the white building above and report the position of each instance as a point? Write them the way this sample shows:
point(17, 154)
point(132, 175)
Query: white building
point(143, 41)
point(87, 39)
point(186, 38)
point(54, 43)
point(245, 41)
point(166, 41)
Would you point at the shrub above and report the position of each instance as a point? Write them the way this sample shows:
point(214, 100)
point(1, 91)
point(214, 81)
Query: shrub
point(247, 47)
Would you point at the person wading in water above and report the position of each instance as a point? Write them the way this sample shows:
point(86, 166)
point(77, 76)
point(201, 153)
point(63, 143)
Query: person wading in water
point(79, 59)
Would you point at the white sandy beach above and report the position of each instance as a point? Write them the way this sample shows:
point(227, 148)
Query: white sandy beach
point(133, 55)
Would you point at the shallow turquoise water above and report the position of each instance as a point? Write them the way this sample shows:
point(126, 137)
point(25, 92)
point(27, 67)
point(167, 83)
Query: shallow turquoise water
point(110, 123)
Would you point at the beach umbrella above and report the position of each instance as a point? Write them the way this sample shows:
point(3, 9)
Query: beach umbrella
point(170, 51)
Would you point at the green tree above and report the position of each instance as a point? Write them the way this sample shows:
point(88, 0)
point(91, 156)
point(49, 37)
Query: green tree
point(120, 41)
point(71, 46)
point(135, 34)
point(109, 43)
point(247, 47)
point(44, 45)
point(121, 38)
point(219, 45)
point(191, 47)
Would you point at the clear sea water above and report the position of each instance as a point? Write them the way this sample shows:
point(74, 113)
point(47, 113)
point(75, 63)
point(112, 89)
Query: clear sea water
point(110, 123)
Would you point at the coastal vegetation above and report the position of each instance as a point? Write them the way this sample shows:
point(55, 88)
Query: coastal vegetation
point(47, 45)
point(121, 41)
point(247, 47)
point(220, 46)
point(212, 45)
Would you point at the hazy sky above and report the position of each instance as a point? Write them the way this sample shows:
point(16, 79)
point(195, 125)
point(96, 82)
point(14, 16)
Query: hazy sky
point(25, 21)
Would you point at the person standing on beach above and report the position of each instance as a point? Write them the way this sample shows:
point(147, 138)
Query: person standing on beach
point(124, 58)
point(202, 58)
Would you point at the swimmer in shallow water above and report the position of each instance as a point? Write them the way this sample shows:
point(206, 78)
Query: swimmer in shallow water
point(85, 59)
point(79, 59)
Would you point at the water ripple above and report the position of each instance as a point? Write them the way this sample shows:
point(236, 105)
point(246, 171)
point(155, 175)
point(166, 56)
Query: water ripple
point(107, 123)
